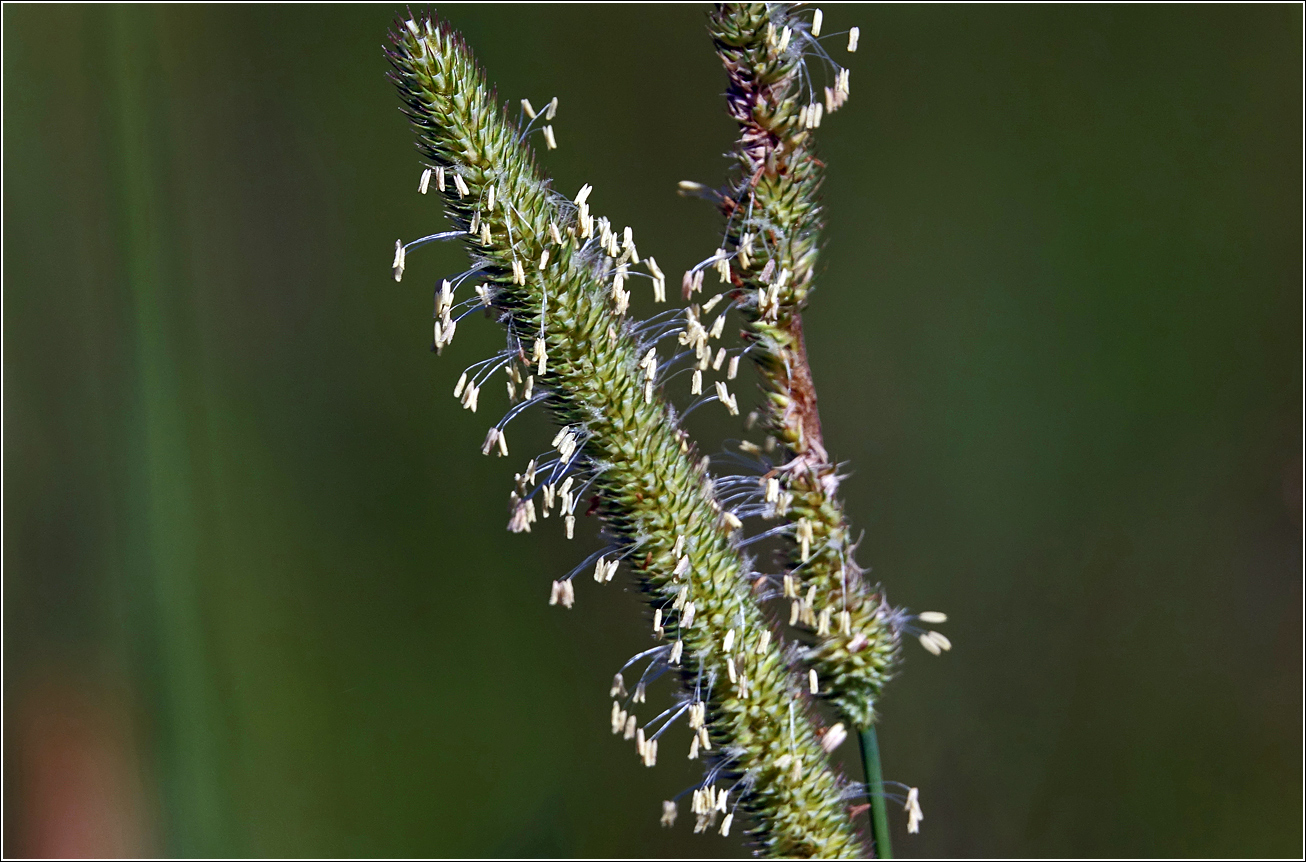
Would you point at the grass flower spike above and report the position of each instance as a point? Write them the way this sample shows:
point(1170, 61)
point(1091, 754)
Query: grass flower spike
point(554, 275)
point(773, 218)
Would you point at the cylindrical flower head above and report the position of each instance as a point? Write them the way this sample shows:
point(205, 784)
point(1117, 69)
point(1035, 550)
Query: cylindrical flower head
point(650, 490)
point(774, 222)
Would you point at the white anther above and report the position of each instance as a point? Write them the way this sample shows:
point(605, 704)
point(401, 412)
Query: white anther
point(728, 641)
point(628, 243)
point(470, 396)
point(677, 649)
point(398, 265)
point(696, 383)
point(913, 809)
point(583, 194)
point(823, 623)
point(439, 178)
point(551, 109)
point(732, 521)
point(618, 714)
point(687, 616)
point(489, 199)
point(784, 40)
point(540, 355)
point(554, 234)
point(813, 682)
point(462, 382)
point(817, 17)
point(668, 814)
point(834, 737)
point(932, 617)
point(549, 140)
point(460, 185)
point(718, 325)
point(425, 182)
point(853, 35)
point(733, 368)
point(763, 642)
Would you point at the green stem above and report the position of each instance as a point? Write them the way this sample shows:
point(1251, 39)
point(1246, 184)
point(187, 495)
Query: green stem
point(875, 792)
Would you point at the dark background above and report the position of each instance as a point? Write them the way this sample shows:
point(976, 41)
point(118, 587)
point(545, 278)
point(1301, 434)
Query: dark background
point(259, 598)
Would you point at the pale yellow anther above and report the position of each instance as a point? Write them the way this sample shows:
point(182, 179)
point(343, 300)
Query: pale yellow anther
point(668, 814)
point(834, 737)
point(398, 265)
point(913, 809)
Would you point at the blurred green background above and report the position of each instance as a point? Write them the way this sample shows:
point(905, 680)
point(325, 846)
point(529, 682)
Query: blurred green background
point(259, 598)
